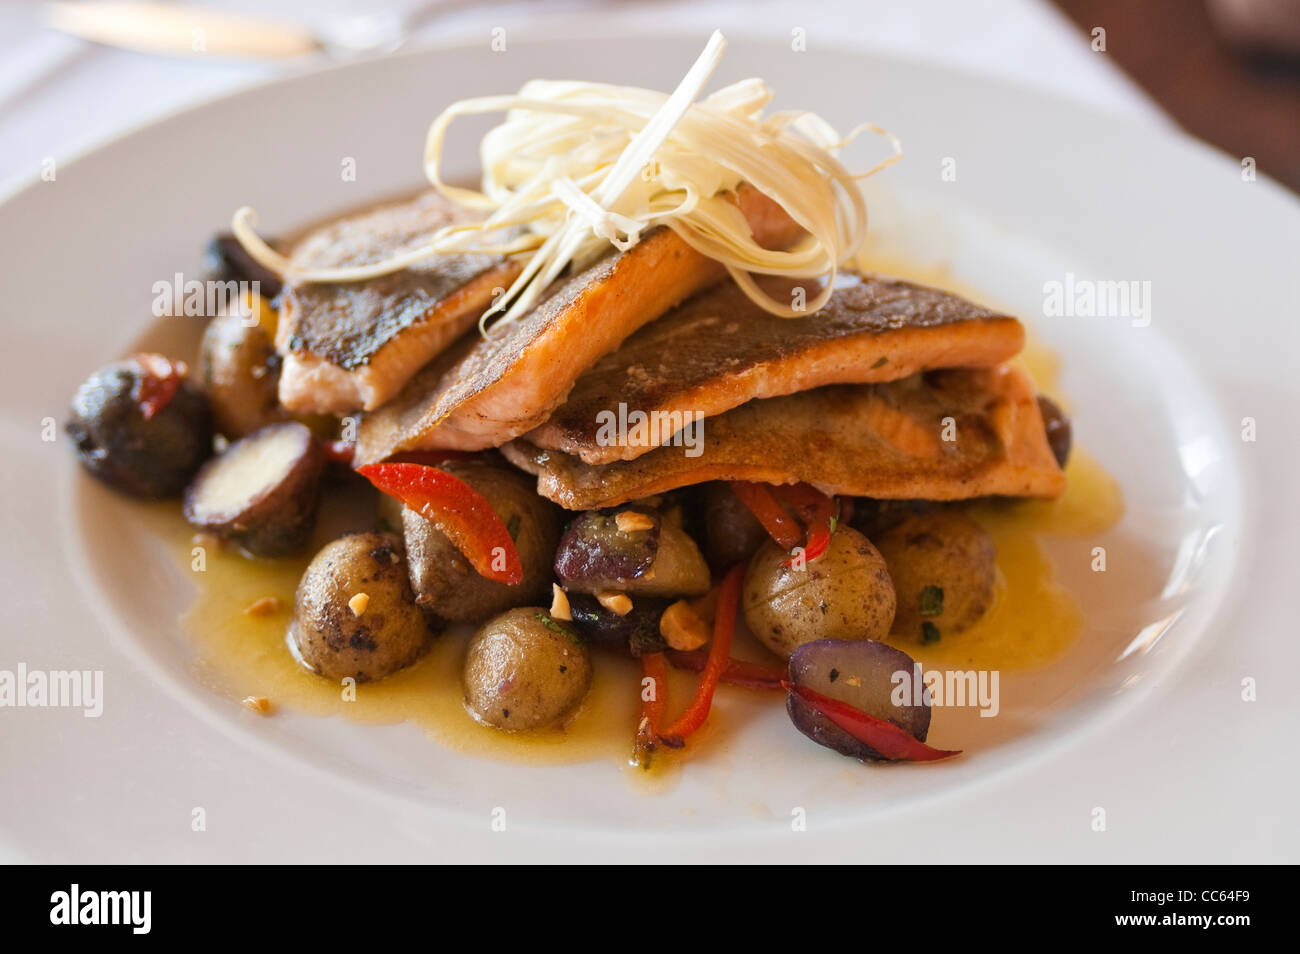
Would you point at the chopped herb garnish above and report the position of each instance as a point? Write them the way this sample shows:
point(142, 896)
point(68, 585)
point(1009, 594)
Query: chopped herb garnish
point(834, 674)
point(881, 362)
point(546, 620)
point(932, 601)
point(824, 607)
point(929, 632)
point(512, 527)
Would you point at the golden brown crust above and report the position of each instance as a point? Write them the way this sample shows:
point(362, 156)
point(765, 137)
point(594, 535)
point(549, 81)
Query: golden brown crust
point(882, 440)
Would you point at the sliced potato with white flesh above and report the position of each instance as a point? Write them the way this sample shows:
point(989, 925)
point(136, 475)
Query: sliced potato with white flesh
point(261, 493)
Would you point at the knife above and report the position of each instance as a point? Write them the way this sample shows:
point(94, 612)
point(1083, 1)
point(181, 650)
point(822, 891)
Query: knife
point(181, 31)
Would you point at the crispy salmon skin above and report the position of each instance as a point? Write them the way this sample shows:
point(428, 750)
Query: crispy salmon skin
point(352, 346)
point(509, 382)
point(944, 435)
point(720, 349)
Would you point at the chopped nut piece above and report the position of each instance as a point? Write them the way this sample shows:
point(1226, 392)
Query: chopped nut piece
point(359, 603)
point(560, 603)
point(619, 603)
point(682, 628)
point(629, 521)
point(263, 607)
point(259, 704)
point(853, 681)
point(706, 606)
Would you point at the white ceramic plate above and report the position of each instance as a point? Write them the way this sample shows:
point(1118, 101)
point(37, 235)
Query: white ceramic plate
point(1151, 728)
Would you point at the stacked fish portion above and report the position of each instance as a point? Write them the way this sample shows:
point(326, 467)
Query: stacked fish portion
point(892, 391)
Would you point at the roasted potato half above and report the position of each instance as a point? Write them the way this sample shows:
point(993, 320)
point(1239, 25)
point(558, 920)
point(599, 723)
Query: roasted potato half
point(634, 550)
point(354, 614)
point(865, 674)
point(846, 593)
point(261, 493)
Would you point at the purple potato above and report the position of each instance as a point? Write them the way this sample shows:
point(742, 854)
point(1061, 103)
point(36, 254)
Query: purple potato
point(1057, 425)
point(227, 261)
point(261, 493)
point(732, 533)
point(862, 674)
point(637, 630)
point(153, 457)
point(595, 555)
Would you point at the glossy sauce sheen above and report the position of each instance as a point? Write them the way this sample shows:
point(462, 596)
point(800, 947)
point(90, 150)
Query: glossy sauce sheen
point(1032, 622)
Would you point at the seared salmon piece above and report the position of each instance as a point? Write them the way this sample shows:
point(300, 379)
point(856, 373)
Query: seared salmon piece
point(720, 349)
point(352, 346)
point(943, 435)
point(511, 381)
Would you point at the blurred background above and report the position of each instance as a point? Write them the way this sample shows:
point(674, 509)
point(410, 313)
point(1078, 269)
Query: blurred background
point(1227, 71)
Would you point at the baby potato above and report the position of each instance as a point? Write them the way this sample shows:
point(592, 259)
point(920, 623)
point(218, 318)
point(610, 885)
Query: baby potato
point(446, 583)
point(846, 593)
point(241, 374)
point(354, 614)
point(145, 454)
point(635, 550)
point(525, 669)
point(942, 565)
point(862, 673)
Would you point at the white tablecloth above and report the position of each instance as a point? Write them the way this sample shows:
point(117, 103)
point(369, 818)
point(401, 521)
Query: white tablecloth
point(59, 95)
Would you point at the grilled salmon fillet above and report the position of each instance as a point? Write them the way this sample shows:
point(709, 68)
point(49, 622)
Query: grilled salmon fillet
point(352, 346)
point(720, 349)
point(509, 382)
point(889, 441)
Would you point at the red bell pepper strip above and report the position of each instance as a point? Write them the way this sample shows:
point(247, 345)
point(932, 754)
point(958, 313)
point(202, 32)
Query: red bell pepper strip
point(819, 530)
point(779, 525)
point(747, 675)
point(819, 511)
point(458, 510)
point(160, 379)
point(724, 624)
point(652, 709)
point(803, 498)
point(885, 737)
